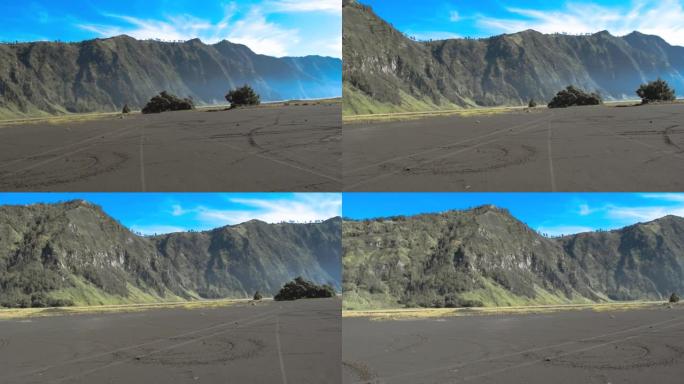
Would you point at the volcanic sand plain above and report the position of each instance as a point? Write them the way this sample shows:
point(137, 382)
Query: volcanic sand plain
point(282, 147)
point(592, 148)
point(270, 342)
point(577, 346)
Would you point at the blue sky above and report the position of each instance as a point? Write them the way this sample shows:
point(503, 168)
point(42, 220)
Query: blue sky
point(273, 27)
point(151, 213)
point(550, 213)
point(439, 19)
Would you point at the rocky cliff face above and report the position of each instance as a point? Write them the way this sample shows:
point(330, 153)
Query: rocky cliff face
point(385, 70)
point(486, 256)
point(105, 74)
point(77, 252)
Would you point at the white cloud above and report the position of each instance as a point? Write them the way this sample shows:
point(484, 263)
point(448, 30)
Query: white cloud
point(303, 207)
point(252, 29)
point(673, 197)
point(643, 213)
point(585, 210)
point(332, 6)
point(563, 230)
point(261, 36)
point(177, 210)
point(432, 35)
point(454, 16)
point(662, 18)
point(155, 229)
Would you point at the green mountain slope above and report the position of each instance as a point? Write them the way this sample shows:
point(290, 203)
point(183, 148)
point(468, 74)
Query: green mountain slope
point(104, 74)
point(486, 256)
point(75, 251)
point(384, 70)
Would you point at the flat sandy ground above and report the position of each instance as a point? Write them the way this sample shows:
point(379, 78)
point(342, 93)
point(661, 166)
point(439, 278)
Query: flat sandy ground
point(635, 346)
point(602, 148)
point(272, 342)
point(274, 148)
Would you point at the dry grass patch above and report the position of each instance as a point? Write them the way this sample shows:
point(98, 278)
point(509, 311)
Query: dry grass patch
point(404, 116)
point(427, 313)
point(21, 313)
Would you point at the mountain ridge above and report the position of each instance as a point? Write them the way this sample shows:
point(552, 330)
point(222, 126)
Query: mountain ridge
point(485, 256)
point(103, 74)
point(75, 251)
point(386, 71)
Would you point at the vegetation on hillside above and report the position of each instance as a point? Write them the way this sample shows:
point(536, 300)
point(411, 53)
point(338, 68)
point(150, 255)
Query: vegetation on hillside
point(487, 257)
point(57, 254)
point(384, 70)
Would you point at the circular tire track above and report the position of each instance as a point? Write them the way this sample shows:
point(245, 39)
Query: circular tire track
point(208, 352)
point(74, 168)
point(624, 355)
point(490, 157)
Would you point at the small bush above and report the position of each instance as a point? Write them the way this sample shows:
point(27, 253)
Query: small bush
point(572, 96)
point(167, 102)
point(655, 91)
point(453, 301)
point(532, 104)
point(243, 96)
point(303, 289)
point(674, 298)
point(125, 109)
point(257, 296)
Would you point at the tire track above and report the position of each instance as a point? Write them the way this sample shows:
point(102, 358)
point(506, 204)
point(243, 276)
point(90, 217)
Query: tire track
point(528, 126)
point(46, 368)
point(528, 351)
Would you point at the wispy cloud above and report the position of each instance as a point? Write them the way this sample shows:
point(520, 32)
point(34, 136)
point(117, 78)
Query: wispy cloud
point(585, 210)
point(632, 214)
point(563, 230)
point(433, 35)
point(454, 16)
point(662, 18)
point(332, 6)
point(654, 206)
point(303, 207)
point(251, 28)
point(156, 229)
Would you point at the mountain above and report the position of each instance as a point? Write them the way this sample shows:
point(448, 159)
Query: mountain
point(105, 74)
point(74, 251)
point(384, 70)
point(485, 256)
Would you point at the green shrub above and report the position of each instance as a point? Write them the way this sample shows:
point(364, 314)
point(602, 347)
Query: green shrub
point(125, 109)
point(167, 102)
point(572, 96)
point(532, 103)
point(257, 296)
point(674, 298)
point(244, 95)
point(654, 91)
point(453, 301)
point(303, 289)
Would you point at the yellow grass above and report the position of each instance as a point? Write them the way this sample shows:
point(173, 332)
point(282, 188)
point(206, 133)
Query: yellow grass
point(60, 119)
point(401, 116)
point(80, 117)
point(20, 313)
point(427, 313)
